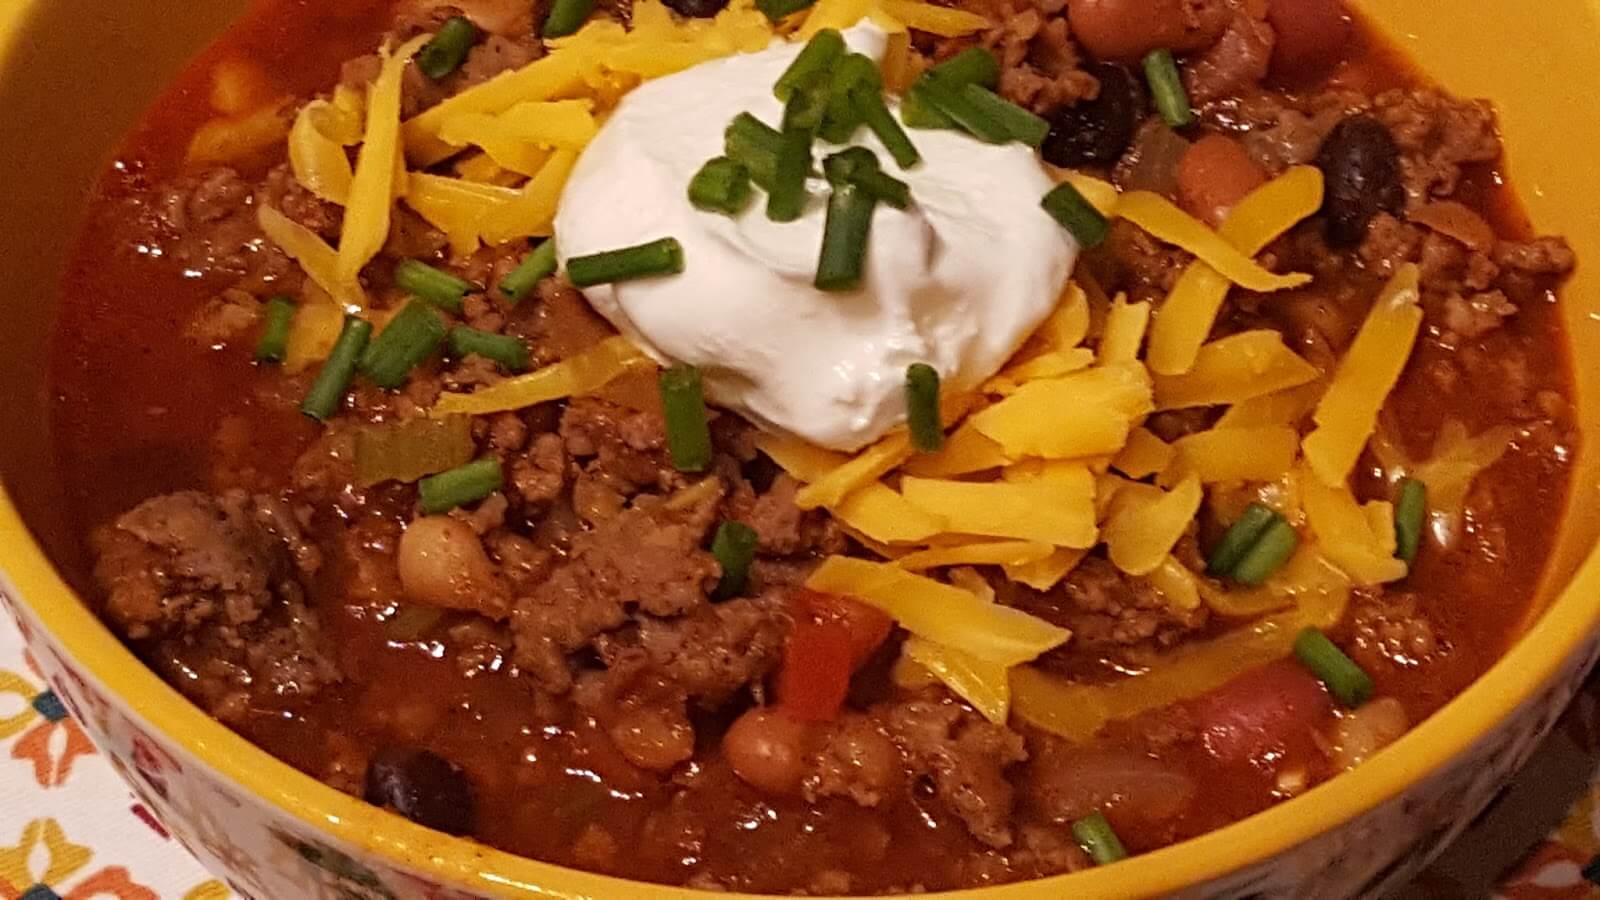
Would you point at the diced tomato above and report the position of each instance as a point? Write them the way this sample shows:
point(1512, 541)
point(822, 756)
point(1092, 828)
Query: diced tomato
point(867, 626)
point(1265, 715)
point(1312, 36)
point(833, 636)
point(817, 664)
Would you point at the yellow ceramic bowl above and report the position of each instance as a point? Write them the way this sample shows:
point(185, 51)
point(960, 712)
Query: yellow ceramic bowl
point(75, 73)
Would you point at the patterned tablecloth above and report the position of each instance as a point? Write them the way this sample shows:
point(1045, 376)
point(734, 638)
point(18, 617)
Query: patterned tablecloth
point(69, 830)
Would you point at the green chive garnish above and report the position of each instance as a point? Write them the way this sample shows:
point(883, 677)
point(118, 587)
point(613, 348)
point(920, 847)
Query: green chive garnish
point(1410, 514)
point(567, 16)
point(534, 268)
point(688, 427)
point(277, 318)
point(409, 338)
point(842, 117)
point(873, 111)
point(721, 185)
point(844, 238)
point(440, 288)
point(448, 48)
point(1345, 680)
point(1094, 834)
point(509, 352)
point(734, 546)
point(922, 407)
point(974, 65)
point(328, 390)
point(775, 10)
point(814, 61)
point(1019, 123)
point(917, 111)
point(1166, 88)
point(859, 166)
point(1239, 538)
point(1276, 544)
point(973, 117)
point(663, 256)
point(753, 144)
point(466, 483)
point(1076, 214)
point(786, 198)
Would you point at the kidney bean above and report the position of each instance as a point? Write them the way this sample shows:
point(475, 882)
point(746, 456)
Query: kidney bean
point(422, 786)
point(1097, 132)
point(1125, 30)
point(1361, 171)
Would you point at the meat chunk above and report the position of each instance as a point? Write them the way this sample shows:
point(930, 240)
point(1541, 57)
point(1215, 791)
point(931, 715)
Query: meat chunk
point(965, 757)
point(646, 557)
point(1541, 256)
point(212, 583)
point(1236, 62)
point(1392, 628)
point(1105, 608)
point(207, 222)
point(857, 760)
point(708, 655)
point(179, 561)
point(624, 451)
point(1473, 316)
point(1437, 135)
point(1040, 67)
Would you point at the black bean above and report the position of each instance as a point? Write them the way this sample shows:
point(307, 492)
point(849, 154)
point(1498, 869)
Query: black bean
point(422, 786)
point(1098, 131)
point(1361, 176)
point(697, 9)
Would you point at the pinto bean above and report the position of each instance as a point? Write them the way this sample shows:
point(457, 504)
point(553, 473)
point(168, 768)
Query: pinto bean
point(768, 750)
point(1214, 174)
point(1125, 30)
point(442, 563)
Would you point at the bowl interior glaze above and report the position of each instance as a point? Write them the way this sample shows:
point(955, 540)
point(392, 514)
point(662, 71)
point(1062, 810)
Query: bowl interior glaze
point(74, 75)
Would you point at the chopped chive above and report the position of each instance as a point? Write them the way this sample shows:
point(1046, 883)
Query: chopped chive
point(844, 238)
point(842, 116)
point(786, 198)
point(859, 166)
point(510, 352)
point(917, 111)
point(806, 106)
point(466, 483)
point(1410, 513)
point(409, 338)
point(1021, 124)
point(922, 407)
point(776, 10)
point(974, 65)
point(566, 16)
point(448, 48)
point(1268, 554)
point(1239, 538)
point(814, 61)
point(721, 185)
point(663, 256)
point(683, 404)
point(975, 119)
point(1095, 835)
point(873, 111)
point(1345, 680)
point(1166, 88)
point(534, 268)
point(753, 144)
point(440, 288)
point(328, 390)
point(1076, 214)
point(277, 319)
point(734, 546)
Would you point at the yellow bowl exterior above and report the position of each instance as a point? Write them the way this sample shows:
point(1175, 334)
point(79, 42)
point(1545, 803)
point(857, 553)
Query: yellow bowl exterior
point(74, 74)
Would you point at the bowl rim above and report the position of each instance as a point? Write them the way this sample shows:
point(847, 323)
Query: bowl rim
point(1561, 628)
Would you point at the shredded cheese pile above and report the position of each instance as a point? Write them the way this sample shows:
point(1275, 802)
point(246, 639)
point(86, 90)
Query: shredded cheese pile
point(1046, 461)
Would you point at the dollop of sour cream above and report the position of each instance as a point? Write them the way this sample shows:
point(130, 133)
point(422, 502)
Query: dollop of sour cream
point(958, 280)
